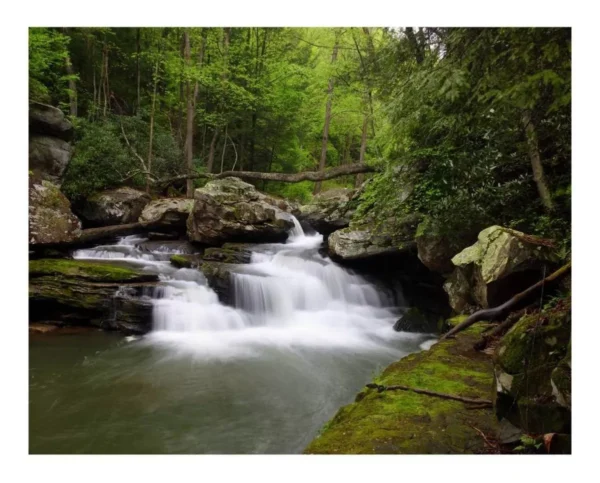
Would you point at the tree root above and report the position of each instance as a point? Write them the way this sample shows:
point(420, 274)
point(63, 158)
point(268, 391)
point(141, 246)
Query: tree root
point(480, 403)
point(504, 309)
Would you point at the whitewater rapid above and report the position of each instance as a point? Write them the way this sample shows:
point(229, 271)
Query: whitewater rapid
point(288, 297)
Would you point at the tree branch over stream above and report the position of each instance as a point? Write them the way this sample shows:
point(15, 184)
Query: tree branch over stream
point(347, 169)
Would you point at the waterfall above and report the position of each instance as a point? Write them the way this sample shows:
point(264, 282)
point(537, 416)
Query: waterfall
point(288, 295)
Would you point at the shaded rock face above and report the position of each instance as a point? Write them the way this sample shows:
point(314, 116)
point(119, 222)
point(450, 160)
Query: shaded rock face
point(434, 249)
point(113, 207)
point(231, 210)
point(50, 218)
point(415, 320)
point(90, 293)
point(218, 276)
point(329, 211)
point(49, 156)
point(500, 264)
point(49, 120)
point(168, 213)
point(366, 241)
point(532, 372)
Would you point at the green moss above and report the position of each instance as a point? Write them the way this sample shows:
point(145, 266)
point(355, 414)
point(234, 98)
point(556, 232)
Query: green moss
point(89, 270)
point(403, 422)
point(185, 261)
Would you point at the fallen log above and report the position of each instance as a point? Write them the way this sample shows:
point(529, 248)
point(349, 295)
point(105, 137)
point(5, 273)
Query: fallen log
point(503, 310)
point(100, 233)
point(468, 400)
point(347, 169)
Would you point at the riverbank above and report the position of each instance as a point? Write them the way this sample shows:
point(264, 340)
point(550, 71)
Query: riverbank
point(400, 422)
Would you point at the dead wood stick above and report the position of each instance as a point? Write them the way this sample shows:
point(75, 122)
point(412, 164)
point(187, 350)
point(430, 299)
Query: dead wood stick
point(441, 395)
point(506, 307)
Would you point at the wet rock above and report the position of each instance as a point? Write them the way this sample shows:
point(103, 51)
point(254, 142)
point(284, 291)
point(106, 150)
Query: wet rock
point(51, 220)
point(85, 293)
point(167, 213)
point(229, 253)
point(49, 120)
point(416, 320)
point(219, 279)
point(49, 157)
point(113, 207)
point(186, 260)
point(230, 209)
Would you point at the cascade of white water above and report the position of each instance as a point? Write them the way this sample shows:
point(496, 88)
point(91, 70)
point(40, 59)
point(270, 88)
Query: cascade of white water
point(288, 294)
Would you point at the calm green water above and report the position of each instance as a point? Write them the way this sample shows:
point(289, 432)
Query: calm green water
point(98, 393)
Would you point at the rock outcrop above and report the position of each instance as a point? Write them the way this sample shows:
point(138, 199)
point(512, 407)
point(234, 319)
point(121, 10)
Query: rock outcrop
point(49, 150)
point(113, 207)
point(49, 121)
point(434, 249)
point(49, 157)
point(329, 211)
point(167, 213)
point(77, 292)
point(500, 264)
point(362, 241)
point(532, 372)
point(50, 218)
point(230, 209)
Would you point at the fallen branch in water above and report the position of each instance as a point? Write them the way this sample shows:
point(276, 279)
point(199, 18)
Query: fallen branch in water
point(479, 402)
point(504, 309)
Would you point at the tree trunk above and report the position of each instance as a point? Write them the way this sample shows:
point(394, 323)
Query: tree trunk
point(189, 129)
point(536, 162)
point(72, 87)
point(360, 178)
point(327, 118)
point(137, 67)
point(224, 148)
point(211, 151)
point(151, 137)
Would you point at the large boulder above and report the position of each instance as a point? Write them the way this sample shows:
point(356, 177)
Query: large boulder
point(49, 120)
point(329, 211)
point(49, 156)
point(363, 241)
point(434, 249)
point(230, 209)
point(167, 213)
point(501, 263)
point(76, 292)
point(532, 372)
point(51, 220)
point(113, 207)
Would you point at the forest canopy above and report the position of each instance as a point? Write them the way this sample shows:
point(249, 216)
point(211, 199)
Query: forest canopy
point(475, 121)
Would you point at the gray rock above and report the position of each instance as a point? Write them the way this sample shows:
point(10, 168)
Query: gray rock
point(49, 120)
point(231, 210)
point(113, 207)
point(49, 157)
point(365, 241)
point(329, 211)
point(51, 220)
point(170, 213)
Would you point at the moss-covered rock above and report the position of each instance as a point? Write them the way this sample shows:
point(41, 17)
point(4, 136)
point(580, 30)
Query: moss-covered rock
point(501, 263)
point(167, 213)
point(219, 279)
point(416, 320)
point(186, 260)
point(229, 253)
point(402, 422)
point(329, 211)
point(51, 220)
point(525, 361)
point(89, 293)
point(113, 207)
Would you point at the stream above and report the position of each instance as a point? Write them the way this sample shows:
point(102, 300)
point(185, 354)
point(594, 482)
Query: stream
point(304, 336)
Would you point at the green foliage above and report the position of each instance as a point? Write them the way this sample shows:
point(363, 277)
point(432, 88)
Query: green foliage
point(528, 445)
point(100, 160)
point(47, 54)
